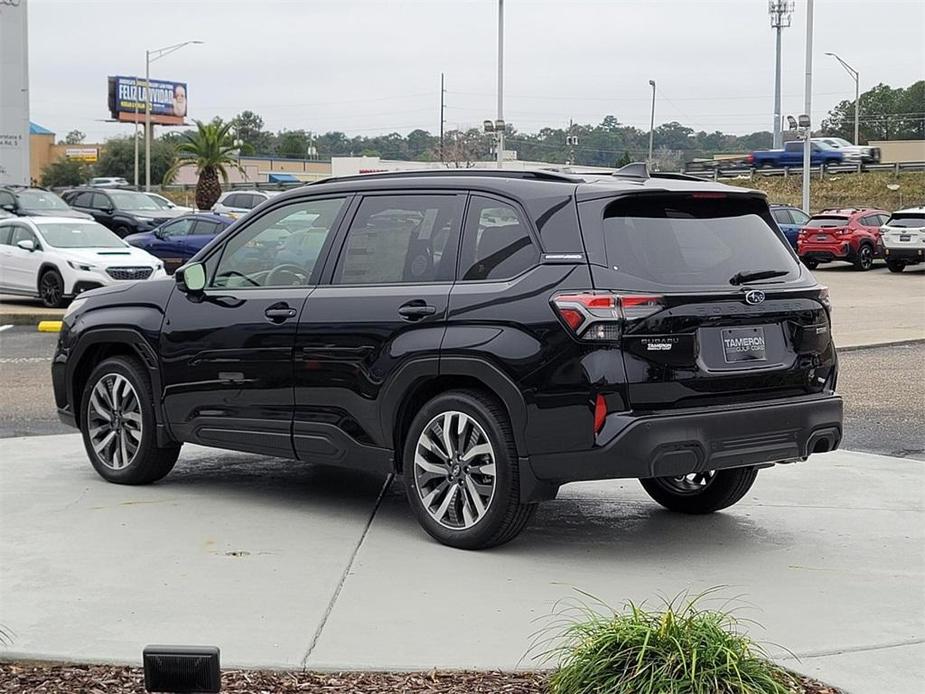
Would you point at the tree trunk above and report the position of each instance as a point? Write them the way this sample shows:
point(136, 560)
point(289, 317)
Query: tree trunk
point(208, 189)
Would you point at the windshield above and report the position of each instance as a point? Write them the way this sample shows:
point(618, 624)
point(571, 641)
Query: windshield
point(163, 203)
point(907, 221)
point(825, 222)
point(79, 235)
point(128, 200)
point(693, 242)
point(41, 200)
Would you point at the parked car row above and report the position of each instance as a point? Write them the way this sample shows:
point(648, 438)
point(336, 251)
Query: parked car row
point(855, 235)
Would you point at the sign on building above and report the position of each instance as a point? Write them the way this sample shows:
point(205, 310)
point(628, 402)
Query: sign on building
point(87, 154)
point(127, 100)
point(14, 93)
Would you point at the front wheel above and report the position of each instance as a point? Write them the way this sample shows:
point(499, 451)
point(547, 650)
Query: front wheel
point(865, 259)
point(701, 492)
point(895, 265)
point(461, 472)
point(51, 289)
point(119, 427)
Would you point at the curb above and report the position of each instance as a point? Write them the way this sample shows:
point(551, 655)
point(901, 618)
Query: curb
point(875, 345)
point(29, 318)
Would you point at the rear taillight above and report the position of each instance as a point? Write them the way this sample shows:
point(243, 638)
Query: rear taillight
point(600, 413)
point(603, 316)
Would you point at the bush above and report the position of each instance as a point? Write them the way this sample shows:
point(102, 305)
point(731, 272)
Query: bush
point(680, 648)
point(65, 172)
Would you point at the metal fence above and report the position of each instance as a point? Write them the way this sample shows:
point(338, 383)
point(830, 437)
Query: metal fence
point(715, 171)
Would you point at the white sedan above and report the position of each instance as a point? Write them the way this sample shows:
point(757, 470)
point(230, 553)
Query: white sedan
point(55, 258)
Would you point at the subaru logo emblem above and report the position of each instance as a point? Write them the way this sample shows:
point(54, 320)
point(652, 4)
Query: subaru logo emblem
point(755, 296)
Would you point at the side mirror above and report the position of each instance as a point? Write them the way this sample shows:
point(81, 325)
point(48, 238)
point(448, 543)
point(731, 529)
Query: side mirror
point(191, 279)
point(26, 245)
point(160, 233)
point(9, 207)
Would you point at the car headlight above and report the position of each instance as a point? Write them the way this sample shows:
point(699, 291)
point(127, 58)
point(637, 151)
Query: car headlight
point(75, 305)
point(85, 267)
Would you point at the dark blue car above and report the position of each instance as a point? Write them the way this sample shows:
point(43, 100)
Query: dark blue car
point(180, 239)
point(790, 220)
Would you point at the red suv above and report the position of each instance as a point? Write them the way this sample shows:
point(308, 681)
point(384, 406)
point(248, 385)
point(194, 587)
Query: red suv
point(852, 235)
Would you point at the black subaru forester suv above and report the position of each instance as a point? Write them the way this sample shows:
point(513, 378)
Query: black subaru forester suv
point(487, 335)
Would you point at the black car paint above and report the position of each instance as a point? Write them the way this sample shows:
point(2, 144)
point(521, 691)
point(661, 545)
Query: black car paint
point(122, 221)
point(334, 382)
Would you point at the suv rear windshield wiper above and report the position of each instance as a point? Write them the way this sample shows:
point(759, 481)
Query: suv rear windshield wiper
point(752, 275)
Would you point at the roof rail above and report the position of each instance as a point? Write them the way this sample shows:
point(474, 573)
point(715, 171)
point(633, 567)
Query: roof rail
point(538, 174)
point(675, 175)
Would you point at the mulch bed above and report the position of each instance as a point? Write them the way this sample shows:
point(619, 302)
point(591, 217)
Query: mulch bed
point(38, 678)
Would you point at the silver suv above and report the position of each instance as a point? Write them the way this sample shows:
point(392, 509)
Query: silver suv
point(237, 203)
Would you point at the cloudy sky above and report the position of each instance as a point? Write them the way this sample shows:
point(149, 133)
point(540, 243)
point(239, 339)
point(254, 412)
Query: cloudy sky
point(368, 67)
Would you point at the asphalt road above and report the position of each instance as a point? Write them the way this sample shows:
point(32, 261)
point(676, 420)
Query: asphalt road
point(883, 388)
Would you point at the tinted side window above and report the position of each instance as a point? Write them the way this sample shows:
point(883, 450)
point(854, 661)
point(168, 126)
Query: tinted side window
point(401, 238)
point(884, 218)
point(782, 216)
point(279, 249)
point(249, 201)
point(181, 227)
point(6, 198)
point(231, 201)
point(496, 243)
point(204, 227)
point(82, 200)
point(100, 202)
point(5, 232)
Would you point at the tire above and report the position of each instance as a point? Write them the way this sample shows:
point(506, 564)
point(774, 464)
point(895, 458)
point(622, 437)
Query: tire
point(865, 259)
point(484, 425)
point(681, 494)
point(147, 462)
point(51, 289)
point(895, 266)
point(810, 263)
point(122, 231)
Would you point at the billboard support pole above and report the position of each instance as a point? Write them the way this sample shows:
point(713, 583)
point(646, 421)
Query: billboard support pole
point(136, 143)
point(147, 121)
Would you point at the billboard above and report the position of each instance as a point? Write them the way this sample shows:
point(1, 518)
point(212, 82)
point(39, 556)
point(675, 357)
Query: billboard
point(14, 94)
point(87, 154)
point(127, 100)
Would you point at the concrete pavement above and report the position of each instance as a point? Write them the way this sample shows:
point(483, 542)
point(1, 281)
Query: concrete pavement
point(287, 565)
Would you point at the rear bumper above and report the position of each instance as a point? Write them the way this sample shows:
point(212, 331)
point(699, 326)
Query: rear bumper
point(674, 443)
point(825, 252)
point(907, 255)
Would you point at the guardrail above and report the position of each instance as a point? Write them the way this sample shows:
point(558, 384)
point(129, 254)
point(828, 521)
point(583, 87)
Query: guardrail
point(708, 170)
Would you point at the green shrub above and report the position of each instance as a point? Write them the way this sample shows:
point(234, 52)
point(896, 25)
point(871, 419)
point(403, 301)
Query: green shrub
point(680, 649)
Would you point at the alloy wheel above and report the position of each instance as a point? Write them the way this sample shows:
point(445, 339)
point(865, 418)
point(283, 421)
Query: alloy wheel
point(866, 259)
point(50, 289)
point(114, 421)
point(454, 470)
point(691, 483)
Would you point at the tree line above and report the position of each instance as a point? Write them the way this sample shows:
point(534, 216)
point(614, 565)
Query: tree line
point(886, 113)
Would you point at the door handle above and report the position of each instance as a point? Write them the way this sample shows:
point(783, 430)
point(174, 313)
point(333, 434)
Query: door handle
point(415, 310)
point(277, 313)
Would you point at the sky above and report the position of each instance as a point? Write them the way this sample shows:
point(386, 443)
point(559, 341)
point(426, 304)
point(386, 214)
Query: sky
point(366, 67)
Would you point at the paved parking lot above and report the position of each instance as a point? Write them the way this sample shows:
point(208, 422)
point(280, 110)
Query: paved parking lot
point(289, 565)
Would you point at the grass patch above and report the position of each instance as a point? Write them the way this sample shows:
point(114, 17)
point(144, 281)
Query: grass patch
point(679, 648)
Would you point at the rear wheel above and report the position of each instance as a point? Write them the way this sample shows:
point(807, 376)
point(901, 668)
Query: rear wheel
point(810, 263)
point(895, 265)
point(701, 492)
point(122, 231)
point(51, 289)
point(118, 424)
point(461, 472)
point(865, 260)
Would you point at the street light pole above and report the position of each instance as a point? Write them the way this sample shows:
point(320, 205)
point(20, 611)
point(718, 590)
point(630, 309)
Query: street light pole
point(652, 122)
point(808, 104)
point(501, 81)
point(150, 57)
point(780, 11)
point(857, 95)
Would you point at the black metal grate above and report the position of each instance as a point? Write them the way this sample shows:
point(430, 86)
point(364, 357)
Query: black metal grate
point(129, 273)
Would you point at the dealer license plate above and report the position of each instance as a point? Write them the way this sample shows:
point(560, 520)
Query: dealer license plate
point(744, 344)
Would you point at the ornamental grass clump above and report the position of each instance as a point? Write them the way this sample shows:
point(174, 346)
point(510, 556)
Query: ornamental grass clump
point(680, 649)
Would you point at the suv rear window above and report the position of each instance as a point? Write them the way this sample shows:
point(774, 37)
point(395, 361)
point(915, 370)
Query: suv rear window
point(687, 241)
point(907, 221)
point(821, 222)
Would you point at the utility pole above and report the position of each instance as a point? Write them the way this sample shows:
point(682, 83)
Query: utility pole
point(808, 104)
point(442, 118)
point(780, 11)
point(500, 118)
point(571, 140)
point(136, 133)
point(652, 122)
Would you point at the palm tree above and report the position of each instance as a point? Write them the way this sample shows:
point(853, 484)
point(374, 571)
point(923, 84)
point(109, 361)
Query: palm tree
point(211, 150)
